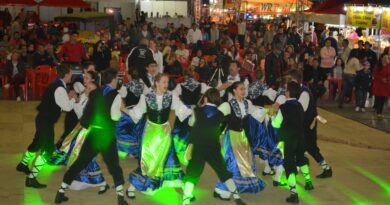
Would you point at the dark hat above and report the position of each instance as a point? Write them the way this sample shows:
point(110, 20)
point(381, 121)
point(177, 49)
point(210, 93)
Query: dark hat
point(367, 43)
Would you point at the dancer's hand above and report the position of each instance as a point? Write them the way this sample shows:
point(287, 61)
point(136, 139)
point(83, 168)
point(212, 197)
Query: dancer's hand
point(72, 94)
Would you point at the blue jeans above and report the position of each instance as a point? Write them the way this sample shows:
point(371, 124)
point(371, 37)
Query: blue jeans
point(348, 83)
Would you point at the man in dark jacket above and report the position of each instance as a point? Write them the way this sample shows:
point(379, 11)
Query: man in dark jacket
point(139, 58)
point(102, 54)
point(274, 65)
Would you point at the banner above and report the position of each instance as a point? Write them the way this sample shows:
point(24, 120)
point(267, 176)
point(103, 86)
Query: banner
point(365, 17)
point(386, 19)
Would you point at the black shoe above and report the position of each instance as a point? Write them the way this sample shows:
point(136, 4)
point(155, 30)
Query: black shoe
point(104, 190)
point(271, 173)
point(293, 198)
point(60, 197)
point(327, 173)
point(128, 194)
point(192, 199)
point(121, 200)
point(281, 184)
point(239, 202)
point(309, 186)
point(32, 182)
point(216, 195)
point(23, 168)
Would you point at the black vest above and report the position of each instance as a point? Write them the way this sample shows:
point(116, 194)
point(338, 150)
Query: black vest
point(207, 129)
point(158, 116)
point(292, 125)
point(233, 122)
point(190, 97)
point(311, 111)
point(48, 107)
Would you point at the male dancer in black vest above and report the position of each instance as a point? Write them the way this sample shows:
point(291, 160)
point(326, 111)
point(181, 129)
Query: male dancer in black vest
point(289, 119)
point(207, 127)
point(309, 105)
point(54, 100)
point(100, 116)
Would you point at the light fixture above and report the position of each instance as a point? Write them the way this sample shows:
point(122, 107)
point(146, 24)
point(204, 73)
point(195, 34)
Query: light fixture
point(278, 10)
point(369, 9)
point(345, 8)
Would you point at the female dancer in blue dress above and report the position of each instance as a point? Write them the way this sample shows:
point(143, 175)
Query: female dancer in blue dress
point(189, 92)
point(128, 132)
point(259, 135)
point(91, 176)
point(157, 168)
point(236, 149)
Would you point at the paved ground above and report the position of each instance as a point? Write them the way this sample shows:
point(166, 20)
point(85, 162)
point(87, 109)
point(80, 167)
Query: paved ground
point(360, 157)
point(368, 118)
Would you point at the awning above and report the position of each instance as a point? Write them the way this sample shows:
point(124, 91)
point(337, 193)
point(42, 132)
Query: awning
point(65, 3)
point(18, 3)
point(328, 7)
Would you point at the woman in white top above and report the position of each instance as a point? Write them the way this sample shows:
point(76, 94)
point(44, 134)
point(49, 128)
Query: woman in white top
point(159, 165)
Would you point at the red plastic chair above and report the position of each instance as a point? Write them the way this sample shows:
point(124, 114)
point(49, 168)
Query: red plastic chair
point(44, 75)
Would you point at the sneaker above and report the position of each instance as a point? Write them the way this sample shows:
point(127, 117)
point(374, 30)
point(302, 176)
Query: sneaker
point(363, 110)
point(60, 197)
point(130, 194)
point(121, 200)
point(271, 173)
point(280, 184)
point(104, 189)
point(327, 173)
point(293, 198)
point(23, 168)
point(33, 183)
point(216, 195)
point(309, 186)
point(357, 109)
point(239, 201)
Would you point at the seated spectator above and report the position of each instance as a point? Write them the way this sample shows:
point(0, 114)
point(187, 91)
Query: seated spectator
point(195, 60)
point(204, 71)
point(15, 70)
point(41, 57)
point(182, 54)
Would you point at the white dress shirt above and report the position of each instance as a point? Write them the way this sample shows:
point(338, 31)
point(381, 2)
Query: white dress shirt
point(79, 107)
point(194, 36)
point(258, 113)
point(158, 57)
point(62, 99)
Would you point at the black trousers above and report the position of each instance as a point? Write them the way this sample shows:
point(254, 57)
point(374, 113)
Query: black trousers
point(294, 155)
point(210, 154)
point(379, 104)
point(311, 143)
point(241, 40)
point(71, 121)
point(44, 137)
point(88, 152)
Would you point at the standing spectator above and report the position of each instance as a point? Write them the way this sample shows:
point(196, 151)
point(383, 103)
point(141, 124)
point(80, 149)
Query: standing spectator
point(372, 59)
point(102, 54)
point(381, 84)
point(233, 30)
point(293, 38)
point(351, 68)
point(194, 37)
point(6, 17)
point(241, 32)
point(387, 49)
point(338, 71)
point(214, 33)
point(139, 57)
point(327, 54)
point(73, 51)
point(15, 70)
point(157, 56)
point(280, 38)
point(346, 50)
point(307, 49)
point(269, 36)
point(41, 57)
point(274, 66)
point(144, 33)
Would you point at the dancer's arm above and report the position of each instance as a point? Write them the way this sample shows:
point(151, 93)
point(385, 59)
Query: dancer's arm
point(116, 108)
point(225, 108)
point(258, 113)
point(304, 100)
point(62, 99)
point(181, 110)
point(137, 112)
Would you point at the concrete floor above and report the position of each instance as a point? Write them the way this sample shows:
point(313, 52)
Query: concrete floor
point(359, 155)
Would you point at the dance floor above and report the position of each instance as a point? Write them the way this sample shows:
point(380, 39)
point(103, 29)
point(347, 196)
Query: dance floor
point(359, 155)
